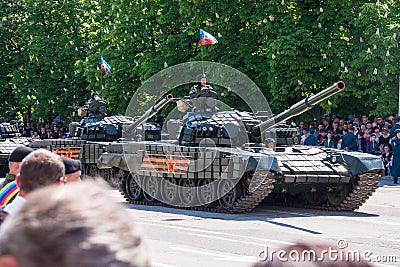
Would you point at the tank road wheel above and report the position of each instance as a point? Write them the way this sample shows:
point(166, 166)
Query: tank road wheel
point(107, 174)
point(206, 193)
point(92, 170)
point(230, 193)
point(187, 192)
point(169, 190)
point(315, 198)
point(118, 177)
point(132, 188)
point(337, 196)
point(151, 187)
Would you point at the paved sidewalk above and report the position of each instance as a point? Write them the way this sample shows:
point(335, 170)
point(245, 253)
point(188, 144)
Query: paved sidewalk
point(387, 181)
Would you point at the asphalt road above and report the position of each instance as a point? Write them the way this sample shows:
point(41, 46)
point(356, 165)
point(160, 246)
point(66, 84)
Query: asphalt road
point(191, 238)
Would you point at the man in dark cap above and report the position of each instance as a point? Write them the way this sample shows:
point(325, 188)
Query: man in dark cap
point(350, 140)
point(39, 169)
point(395, 142)
point(74, 225)
point(15, 160)
point(395, 127)
point(72, 170)
point(9, 188)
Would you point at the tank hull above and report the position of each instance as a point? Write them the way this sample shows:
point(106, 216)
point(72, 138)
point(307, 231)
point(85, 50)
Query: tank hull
point(163, 173)
point(87, 152)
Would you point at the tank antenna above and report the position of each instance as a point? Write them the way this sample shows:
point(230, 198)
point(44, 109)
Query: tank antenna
point(202, 60)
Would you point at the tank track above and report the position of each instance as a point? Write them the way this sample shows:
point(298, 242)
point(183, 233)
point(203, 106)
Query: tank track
point(366, 185)
point(246, 203)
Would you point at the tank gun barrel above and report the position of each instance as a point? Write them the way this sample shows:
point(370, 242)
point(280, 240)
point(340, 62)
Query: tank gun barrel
point(150, 112)
point(77, 107)
point(299, 108)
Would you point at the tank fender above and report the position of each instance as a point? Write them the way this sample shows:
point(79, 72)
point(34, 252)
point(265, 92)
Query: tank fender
point(361, 162)
point(108, 160)
point(264, 162)
point(127, 162)
point(251, 164)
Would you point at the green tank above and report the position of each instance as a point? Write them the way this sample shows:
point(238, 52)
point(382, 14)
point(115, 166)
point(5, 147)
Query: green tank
point(9, 140)
point(91, 135)
point(217, 161)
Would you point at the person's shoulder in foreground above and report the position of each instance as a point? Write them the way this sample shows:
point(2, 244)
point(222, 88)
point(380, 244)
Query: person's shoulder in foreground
point(72, 225)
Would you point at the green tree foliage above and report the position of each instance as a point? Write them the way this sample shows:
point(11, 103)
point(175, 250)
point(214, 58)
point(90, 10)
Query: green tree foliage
point(373, 59)
point(9, 57)
point(290, 49)
point(49, 43)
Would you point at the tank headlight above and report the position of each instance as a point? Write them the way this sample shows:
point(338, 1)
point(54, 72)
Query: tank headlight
point(334, 159)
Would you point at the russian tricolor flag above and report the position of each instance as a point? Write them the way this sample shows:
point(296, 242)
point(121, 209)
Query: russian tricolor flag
point(104, 66)
point(206, 38)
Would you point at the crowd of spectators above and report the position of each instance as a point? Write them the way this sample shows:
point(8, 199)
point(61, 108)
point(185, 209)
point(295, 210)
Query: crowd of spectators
point(53, 130)
point(364, 134)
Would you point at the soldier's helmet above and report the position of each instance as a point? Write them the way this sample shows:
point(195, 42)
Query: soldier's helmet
point(270, 140)
point(94, 94)
point(200, 76)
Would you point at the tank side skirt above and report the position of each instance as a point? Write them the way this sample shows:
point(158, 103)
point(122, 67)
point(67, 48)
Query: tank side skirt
point(365, 186)
point(244, 204)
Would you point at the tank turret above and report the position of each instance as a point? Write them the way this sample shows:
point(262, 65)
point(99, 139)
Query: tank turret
point(10, 139)
point(238, 127)
point(9, 130)
point(99, 127)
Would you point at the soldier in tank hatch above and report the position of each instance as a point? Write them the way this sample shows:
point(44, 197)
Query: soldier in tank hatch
point(96, 96)
point(270, 143)
point(201, 80)
point(97, 106)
